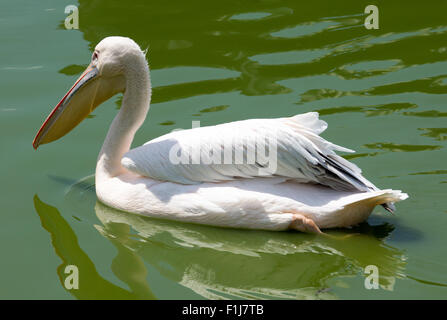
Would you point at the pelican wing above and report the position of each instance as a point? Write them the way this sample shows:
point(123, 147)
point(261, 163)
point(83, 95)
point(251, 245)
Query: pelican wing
point(290, 148)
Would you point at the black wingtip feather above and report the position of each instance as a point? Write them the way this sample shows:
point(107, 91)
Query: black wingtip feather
point(389, 207)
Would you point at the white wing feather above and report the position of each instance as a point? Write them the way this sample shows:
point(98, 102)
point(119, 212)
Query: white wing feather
point(187, 156)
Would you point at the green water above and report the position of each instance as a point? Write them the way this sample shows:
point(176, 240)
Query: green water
point(383, 93)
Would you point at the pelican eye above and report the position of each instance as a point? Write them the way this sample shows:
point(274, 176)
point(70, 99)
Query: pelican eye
point(95, 56)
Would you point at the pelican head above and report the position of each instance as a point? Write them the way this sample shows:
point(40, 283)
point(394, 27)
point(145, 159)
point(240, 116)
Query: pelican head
point(104, 77)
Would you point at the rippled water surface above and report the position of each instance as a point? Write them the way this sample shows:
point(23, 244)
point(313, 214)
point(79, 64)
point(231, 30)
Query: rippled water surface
point(383, 93)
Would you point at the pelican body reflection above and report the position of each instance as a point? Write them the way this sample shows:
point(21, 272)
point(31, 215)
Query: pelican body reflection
point(220, 263)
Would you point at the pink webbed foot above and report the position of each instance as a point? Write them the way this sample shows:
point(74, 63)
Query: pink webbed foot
point(304, 224)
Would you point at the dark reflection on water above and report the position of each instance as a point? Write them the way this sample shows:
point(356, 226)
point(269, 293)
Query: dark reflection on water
point(379, 110)
point(431, 172)
point(439, 134)
point(427, 114)
point(214, 109)
point(401, 147)
point(177, 34)
point(127, 266)
point(359, 155)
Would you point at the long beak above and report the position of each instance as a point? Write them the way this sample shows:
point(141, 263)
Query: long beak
point(74, 107)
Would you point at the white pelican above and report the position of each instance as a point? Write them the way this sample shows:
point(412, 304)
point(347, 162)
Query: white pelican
point(309, 187)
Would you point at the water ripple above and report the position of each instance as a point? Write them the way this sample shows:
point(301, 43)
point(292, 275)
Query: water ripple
point(401, 147)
